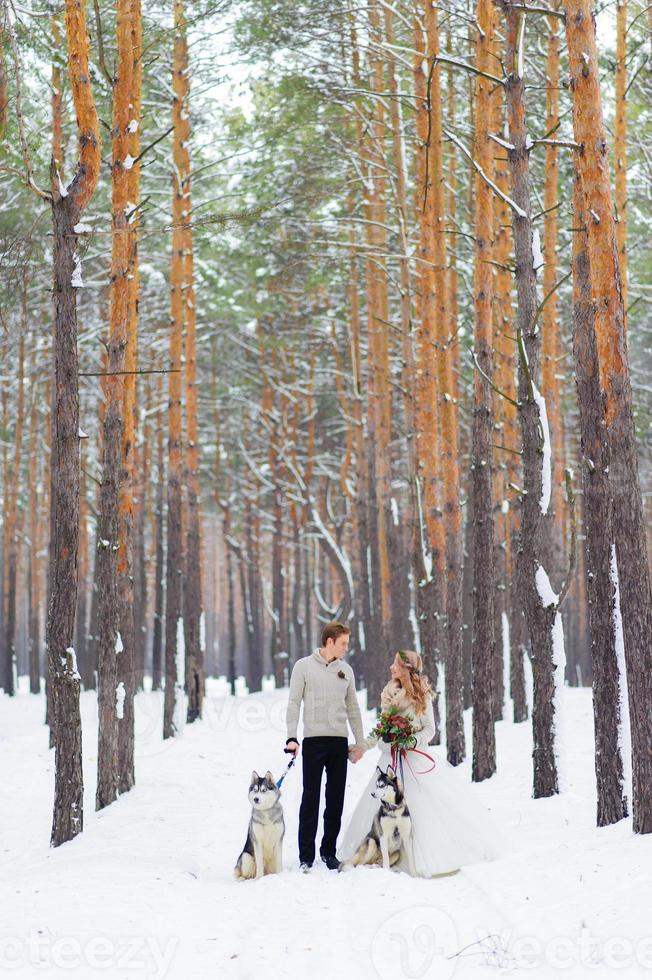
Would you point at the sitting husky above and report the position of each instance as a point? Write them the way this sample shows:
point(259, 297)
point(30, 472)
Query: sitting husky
point(390, 836)
point(262, 853)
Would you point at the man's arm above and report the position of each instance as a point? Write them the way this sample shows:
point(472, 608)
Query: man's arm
point(297, 683)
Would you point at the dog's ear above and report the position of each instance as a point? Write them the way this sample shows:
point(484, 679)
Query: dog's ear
point(391, 773)
point(270, 778)
point(254, 777)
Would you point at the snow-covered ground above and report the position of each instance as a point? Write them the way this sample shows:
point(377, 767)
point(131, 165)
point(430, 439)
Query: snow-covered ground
point(147, 890)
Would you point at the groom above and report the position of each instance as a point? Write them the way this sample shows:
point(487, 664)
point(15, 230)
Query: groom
point(326, 685)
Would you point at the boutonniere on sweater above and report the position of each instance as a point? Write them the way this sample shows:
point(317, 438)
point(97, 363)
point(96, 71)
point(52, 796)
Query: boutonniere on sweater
point(341, 674)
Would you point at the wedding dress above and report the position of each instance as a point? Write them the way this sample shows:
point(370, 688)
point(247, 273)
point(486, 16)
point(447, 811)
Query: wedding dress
point(450, 827)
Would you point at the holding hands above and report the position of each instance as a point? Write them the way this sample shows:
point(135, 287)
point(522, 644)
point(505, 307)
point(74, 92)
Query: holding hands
point(355, 754)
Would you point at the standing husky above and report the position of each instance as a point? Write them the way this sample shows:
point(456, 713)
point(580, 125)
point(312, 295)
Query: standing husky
point(262, 853)
point(390, 836)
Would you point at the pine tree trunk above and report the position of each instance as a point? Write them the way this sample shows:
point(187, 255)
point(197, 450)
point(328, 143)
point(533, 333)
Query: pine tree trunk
point(540, 618)
point(429, 541)
point(484, 740)
point(159, 558)
point(126, 664)
point(67, 819)
point(11, 524)
point(174, 683)
point(620, 146)
point(611, 805)
point(615, 387)
point(552, 349)
point(112, 678)
point(192, 593)
point(34, 581)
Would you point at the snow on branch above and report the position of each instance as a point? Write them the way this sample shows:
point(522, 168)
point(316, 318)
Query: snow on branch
point(508, 201)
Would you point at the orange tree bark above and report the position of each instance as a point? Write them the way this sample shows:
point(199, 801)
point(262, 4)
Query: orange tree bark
point(126, 665)
point(620, 145)
point(403, 525)
point(448, 411)
point(615, 387)
point(379, 397)
point(365, 592)
point(158, 535)
point(429, 544)
point(111, 693)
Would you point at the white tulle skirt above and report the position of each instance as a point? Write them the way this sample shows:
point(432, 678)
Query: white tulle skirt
point(450, 827)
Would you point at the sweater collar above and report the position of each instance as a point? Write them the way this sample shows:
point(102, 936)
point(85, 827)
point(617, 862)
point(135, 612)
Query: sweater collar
point(320, 660)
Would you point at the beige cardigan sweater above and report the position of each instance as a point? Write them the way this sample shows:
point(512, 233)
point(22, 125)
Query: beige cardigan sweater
point(329, 700)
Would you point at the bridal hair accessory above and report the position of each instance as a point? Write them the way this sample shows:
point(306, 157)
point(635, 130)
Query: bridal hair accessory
point(404, 658)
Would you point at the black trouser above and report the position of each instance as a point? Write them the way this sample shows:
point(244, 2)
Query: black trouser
point(319, 752)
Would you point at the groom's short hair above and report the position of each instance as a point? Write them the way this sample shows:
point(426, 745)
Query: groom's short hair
point(332, 630)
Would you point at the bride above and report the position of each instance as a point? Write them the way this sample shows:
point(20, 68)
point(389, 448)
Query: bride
point(450, 827)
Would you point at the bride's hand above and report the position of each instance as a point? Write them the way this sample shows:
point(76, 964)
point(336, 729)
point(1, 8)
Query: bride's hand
point(355, 754)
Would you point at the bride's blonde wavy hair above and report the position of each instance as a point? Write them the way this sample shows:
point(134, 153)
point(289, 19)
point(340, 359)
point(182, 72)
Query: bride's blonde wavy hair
point(413, 680)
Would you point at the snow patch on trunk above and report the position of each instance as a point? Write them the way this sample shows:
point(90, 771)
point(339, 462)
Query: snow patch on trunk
point(76, 279)
point(120, 695)
point(118, 643)
point(546, 592)
point(624, 731)
point(537, 254)
point(546, 474)
point(412, 616)
point(202, 632)
point(559, 735)
point(549, 598)
point(73, 657)
point(179, 716)
point(506, 662)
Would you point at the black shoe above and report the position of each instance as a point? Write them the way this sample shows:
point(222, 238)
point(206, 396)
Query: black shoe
point(305, 867)
point(331, 862)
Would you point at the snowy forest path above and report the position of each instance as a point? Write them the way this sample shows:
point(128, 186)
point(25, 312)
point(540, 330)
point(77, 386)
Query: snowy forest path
point(152, 874)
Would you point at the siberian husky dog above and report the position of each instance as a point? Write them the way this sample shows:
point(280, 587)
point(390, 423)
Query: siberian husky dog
point(390, 836)
point(262, 853)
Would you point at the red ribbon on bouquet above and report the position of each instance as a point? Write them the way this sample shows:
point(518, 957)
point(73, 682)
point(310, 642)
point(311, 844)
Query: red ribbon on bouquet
point(402, 754)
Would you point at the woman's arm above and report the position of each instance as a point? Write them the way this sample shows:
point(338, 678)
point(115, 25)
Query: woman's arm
point(428, 722)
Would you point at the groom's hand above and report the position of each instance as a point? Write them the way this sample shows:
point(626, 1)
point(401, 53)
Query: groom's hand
point(292, 746)
point(355, 754)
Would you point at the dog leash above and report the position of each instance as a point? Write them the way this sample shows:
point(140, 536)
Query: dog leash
point(286, 771)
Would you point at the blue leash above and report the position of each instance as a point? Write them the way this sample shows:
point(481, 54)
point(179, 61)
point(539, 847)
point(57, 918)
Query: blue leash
point(286, 771)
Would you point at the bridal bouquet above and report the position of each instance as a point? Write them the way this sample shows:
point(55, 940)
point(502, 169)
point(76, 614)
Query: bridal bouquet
point(397, 729)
